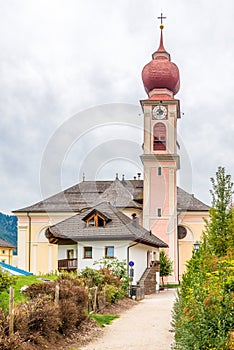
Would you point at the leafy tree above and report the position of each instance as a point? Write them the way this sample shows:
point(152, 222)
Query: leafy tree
point(219, 231)
point(165, 265)
point(204, 311)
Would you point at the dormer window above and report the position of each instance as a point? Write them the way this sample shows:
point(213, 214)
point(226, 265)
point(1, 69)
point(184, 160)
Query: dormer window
point(95, 219)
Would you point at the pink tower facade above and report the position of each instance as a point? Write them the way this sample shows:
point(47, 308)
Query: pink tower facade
point(160, 159)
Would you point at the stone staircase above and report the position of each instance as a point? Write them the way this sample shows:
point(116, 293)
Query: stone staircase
point(148, 279)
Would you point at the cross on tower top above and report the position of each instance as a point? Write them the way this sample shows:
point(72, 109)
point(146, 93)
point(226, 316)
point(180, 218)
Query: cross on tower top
point(161, 18)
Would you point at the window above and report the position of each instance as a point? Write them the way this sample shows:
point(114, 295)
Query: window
point(159, 137)
point(159, 171)
point(91, 222)
point(182, 232)
point(159, 212)
point(109, 252)
point(88, 252)
point(3, 251)
point(95, 220)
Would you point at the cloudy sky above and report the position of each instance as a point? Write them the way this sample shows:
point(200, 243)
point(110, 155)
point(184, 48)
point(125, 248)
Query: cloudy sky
point(70, 85)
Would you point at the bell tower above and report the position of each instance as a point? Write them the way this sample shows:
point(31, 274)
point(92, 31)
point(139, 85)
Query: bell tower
point(160, 159)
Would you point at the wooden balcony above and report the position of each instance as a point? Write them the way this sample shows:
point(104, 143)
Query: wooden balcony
point(67, 264)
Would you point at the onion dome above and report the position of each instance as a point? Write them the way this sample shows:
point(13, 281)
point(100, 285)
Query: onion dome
point(161, 76)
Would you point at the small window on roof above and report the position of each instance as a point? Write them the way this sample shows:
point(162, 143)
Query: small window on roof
point(95, 220)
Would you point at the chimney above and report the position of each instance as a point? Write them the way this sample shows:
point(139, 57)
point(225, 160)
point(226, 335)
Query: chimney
point(123, 177)
point(83, 177)
point(134, 178)
point(116, 176)
point(139, 176)
point(135, 220)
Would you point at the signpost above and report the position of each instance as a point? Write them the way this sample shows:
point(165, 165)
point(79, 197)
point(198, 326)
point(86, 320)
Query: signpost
point(131, 275)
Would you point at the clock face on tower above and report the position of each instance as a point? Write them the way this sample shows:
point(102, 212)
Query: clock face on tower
point(159, 112)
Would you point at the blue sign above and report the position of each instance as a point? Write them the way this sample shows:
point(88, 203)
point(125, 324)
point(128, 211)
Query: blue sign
point(131, 263)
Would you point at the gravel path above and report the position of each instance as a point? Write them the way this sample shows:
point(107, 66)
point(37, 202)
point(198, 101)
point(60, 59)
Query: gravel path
point(144, 327)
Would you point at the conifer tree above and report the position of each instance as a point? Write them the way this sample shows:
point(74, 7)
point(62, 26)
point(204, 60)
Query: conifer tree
point(204, 311)
point(165, 265)
point(219, 230)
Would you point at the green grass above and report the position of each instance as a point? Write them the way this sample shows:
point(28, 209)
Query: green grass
point(104, 319)
point(171, 285)
point(20, 282)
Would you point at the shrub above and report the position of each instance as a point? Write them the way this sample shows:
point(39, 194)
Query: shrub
point(72, 304)
point(204, 312)
point(115, 272)
point(114, 293)
point(37, 319)
point(92, 278)
point(111, 279)
point(39, 289)
point(6, 280)
point(12, 342)
point(7, 342)
point(70, 278)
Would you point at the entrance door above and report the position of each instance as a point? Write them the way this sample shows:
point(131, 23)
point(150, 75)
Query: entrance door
point(70, 254)
point(148, 258)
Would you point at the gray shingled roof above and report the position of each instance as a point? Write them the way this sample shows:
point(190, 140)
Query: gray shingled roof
point(6, 244)
point(119, 227)
point(121, 194)
point(87, 193)
point(187, 202)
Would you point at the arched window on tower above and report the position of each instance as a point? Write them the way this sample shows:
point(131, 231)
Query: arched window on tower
point(159, 137)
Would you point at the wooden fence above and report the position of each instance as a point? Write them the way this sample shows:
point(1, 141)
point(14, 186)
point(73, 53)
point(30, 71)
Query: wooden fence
point(97, 300)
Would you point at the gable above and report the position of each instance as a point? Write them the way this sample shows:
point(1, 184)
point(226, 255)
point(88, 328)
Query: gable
point(96, 219)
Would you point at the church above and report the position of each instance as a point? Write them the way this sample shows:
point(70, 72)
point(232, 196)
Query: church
point(127, 219)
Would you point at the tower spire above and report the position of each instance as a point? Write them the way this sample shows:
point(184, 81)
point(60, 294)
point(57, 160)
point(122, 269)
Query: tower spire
point(161, 74)
point(161, 50)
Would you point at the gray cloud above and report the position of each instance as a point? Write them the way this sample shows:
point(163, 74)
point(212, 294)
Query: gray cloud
point(58, 58)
